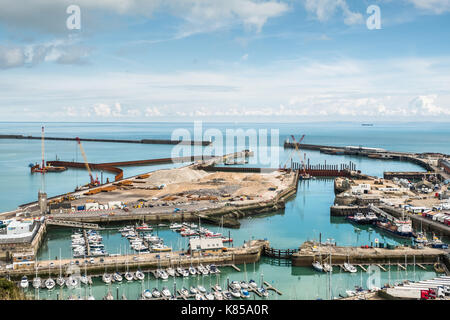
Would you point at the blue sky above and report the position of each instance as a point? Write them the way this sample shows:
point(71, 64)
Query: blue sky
point(217, 60)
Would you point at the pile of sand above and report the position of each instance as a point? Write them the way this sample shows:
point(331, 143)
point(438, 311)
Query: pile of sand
point(175, 176)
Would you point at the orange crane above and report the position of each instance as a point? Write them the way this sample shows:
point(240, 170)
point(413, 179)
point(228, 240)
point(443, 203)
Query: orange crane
point(297, 145)
point(86, 163)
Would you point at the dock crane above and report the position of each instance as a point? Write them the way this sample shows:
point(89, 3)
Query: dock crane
point(297, 145)
point(86, 163)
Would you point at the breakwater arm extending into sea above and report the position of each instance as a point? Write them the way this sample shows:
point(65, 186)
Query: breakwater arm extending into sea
point(143, 141)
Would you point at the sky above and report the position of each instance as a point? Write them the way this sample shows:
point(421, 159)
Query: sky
point(224, 60)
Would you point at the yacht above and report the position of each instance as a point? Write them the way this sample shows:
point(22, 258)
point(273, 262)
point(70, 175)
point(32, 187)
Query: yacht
point(244, 293)
point(198, 296)
point(156, 293)
point(129, 276)
point(184, 292)
point(327, 267)
point(218, 295)
point(349, 268)
point(217, 288)
point(209, 296)
point(226, 295)
point(71, 282)
point(193, 290)
point(84, 279)
point(235, 285)
point(117, 277)
point(50, 283)
point(201, 289)
point(192, 271)
point(263, 292)
point(170, 272)
point(318, 266)
point(140, 275)
point(24, 282)
point(165, 292)
point(147, 294)
point(60, 281)
point(236, 293)
point(106, 278)
point(37, 282)
point(244, 285)
point(252, 283)
point(371, 217)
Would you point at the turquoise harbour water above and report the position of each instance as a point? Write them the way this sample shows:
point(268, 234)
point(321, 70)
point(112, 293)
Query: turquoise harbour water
point(304, 218)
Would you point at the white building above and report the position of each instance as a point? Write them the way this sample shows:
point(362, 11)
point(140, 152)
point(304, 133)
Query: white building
point(16, 227)
point(205, 245)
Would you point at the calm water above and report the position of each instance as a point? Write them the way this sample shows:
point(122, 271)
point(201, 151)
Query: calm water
point(305, 217)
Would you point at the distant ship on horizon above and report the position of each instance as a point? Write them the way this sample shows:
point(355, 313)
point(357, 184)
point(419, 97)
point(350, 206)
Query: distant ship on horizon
point(367, 124)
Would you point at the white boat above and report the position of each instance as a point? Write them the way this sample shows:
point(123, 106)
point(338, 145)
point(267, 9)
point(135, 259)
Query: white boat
point(217, 288)
point(50, 283)
point(106, 278)
point(201, 289)
point(184, 292)
point(252, 283)
point(318, 266)
point(60, 281)
point(37, 282)
point(218, 295)
point(350, 293)
point(193, 290)
point(156, 293)
point(129, 276)
point(349, 268)
point(192, 271)
point(117, 277)
point(165, 292)
point(71, 282)
point(109, 296)
point(327, 267)
point(147, 294)
point(175, 226)
point(170, 272)
point(235, 285)
point(162, 274)
point(244, 285)
point(24, 282)
point(209, 296)
point(235, 293)
point(84, 279)
point(140, 275)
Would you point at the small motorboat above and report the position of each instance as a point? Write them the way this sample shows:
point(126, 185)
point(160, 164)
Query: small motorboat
point(106, 278)
point(84, 279)
point(245, 294)
point(236, 293)
point(140, 275)
point(192, 271)
point(60, 281)
point(129, 276)
point(252, 283)
point(37, 282)
point(193, 290)
point(117, 277)
point(170, 272)
point(147, 294)
point(184, 292)
point(327, 267)
point(201, 289)
point(235, 285)
point(318, 266)
point(349, 268)
point(24, 282)
point(71, 282)
point(227, 295)
point(165, 292)
point(50, 283)
point(156, 293)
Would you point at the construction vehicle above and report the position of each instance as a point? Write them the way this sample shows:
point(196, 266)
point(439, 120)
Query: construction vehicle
point(93, 183)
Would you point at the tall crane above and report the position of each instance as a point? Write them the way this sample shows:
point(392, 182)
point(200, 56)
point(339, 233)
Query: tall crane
point(297, 145)
point(86, 163)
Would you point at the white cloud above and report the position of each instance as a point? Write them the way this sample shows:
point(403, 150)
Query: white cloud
point(426, 105)
point(198, 15)
point(433, 6)
point(11, 57)
point(325, 9)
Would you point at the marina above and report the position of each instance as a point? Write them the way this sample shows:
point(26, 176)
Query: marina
point(118, 246)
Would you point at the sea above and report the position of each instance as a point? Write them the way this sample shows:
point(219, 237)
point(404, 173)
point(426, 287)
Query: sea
point(306, 216)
